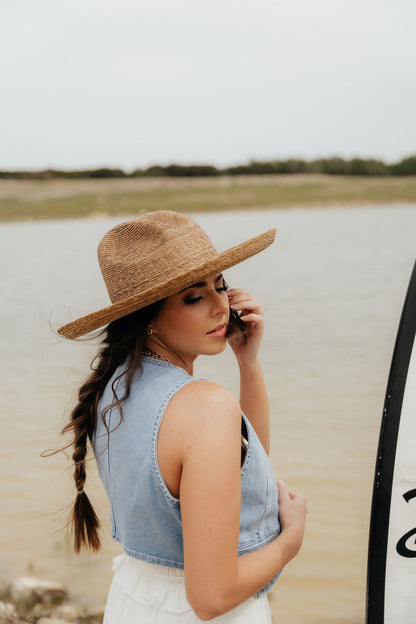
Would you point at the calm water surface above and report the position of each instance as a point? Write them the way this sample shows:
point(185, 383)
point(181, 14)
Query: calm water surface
point(332, 288)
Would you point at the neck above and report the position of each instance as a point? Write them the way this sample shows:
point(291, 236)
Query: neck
point(157, 346)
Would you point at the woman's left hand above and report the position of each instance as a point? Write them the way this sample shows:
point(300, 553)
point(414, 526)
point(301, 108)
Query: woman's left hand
point(246, 347)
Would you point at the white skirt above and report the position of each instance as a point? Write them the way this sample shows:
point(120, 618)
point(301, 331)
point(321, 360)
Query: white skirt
point(144, 593)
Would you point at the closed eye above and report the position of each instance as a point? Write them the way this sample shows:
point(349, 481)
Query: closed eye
point(222, 288)
point(190, 300)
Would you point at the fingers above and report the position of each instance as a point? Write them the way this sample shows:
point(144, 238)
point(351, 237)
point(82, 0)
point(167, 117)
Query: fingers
point(246, 346)
point(284, 492)
point(252, 318)
point(241, 300)
point(283, 489)
point(249, 306)
point(238, 293)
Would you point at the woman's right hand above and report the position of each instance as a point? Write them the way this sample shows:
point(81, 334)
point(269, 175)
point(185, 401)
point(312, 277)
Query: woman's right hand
point(292, 515)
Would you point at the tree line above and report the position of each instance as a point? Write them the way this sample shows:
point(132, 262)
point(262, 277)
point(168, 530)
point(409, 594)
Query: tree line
point(330, 166)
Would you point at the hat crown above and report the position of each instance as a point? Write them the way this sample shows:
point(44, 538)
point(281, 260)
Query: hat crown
point(133, 255)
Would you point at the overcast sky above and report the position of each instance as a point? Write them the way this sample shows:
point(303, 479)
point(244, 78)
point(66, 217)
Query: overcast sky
point(130, 83)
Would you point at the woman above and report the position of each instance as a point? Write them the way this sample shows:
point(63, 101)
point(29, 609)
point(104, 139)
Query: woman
point(193, 496)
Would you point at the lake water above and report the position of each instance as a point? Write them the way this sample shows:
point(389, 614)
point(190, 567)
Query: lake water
point(332, 287)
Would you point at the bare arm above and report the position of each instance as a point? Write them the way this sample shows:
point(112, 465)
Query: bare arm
point(208, 420)
point(254, 401)
point(253, 394)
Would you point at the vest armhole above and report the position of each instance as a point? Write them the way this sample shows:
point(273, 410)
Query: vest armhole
point(172, 500)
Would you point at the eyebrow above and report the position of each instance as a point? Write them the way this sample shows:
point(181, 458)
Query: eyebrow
point(202, 284)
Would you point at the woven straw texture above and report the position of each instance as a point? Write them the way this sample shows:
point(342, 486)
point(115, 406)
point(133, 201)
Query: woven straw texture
point(154, 256)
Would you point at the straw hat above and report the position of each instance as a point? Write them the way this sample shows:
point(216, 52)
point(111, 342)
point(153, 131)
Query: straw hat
point(154, 256)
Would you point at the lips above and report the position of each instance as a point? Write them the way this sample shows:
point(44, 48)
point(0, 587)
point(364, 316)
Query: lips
point(220, 330)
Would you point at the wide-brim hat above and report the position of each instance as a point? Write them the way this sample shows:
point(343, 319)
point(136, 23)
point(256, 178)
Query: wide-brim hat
point(154, 256)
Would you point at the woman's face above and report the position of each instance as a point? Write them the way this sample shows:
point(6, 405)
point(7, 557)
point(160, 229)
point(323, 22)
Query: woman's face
point(194, 321)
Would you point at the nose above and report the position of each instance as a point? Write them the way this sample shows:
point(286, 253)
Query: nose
point(220, 305)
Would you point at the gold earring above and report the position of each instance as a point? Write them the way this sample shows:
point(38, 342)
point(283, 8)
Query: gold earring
point(149, 331)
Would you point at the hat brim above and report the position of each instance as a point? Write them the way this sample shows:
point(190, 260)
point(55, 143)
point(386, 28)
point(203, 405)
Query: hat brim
point(221, 262)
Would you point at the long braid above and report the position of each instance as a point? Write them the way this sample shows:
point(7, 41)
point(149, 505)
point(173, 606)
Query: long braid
point(84, 521)
point(122, 344)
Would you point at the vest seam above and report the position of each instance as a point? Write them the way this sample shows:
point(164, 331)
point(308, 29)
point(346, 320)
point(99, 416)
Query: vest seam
point(266, 498)
point(168, 563)
point(113, 518)
point(110, 483)
point(248, 547)
point(249, 452)
point(171, 500)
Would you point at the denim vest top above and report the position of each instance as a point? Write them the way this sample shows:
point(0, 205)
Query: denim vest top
point(145, 517)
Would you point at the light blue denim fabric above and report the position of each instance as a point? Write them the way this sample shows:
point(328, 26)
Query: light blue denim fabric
point(145, 517)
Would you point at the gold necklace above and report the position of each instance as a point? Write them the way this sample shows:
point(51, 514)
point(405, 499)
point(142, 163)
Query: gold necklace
point(155, 356)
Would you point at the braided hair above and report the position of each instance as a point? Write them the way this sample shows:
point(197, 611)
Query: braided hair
point(122, 343)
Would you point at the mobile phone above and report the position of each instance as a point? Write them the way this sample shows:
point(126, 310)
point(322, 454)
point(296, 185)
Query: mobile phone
point(235, 324)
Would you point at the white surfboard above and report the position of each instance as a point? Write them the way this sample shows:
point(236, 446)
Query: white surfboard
point(391, 576)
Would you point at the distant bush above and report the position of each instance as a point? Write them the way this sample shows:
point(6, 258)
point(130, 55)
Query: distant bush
point(406, 167)
point(106, 173)
point(330, 166)
point(359, 166)
point(11, 175)
point(256, 167)
point(155, 171)
point(49, 174)
point(185, 171)
point(191, 170)
point(239, 170)
point(29, 175)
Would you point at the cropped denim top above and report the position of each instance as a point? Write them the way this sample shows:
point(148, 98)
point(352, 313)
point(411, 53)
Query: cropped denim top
point(145, 517)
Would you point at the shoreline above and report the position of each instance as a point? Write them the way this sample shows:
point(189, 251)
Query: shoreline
point(33, 200)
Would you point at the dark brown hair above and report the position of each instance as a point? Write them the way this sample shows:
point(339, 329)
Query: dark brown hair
point(122, 343)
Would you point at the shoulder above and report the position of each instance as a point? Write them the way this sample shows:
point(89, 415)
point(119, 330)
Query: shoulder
point(201, 401)
point(206, 391)
point(205, 395)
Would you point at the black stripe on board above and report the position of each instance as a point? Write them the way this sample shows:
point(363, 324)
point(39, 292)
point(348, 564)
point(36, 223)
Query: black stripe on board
point(383, 478)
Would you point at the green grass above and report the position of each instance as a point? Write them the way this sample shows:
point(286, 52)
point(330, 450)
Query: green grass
point(210, 195)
